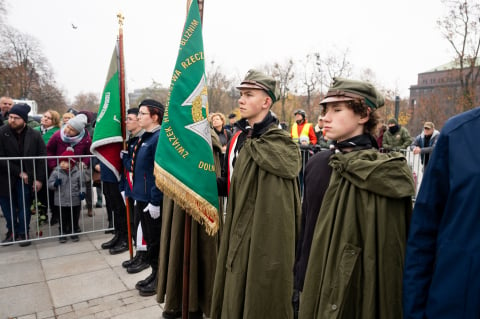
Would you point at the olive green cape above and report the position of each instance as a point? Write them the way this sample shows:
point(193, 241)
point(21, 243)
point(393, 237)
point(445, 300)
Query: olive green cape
point(356, 261)
point(254, 277)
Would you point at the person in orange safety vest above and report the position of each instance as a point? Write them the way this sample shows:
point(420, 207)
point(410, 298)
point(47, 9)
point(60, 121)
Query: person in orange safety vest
point(302, 128)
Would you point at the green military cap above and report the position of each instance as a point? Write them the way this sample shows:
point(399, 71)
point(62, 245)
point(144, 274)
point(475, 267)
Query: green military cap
point(392, 121)
point(260, 81)
point(347, 90)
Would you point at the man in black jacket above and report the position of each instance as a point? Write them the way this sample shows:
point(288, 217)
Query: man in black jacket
point(20, 178)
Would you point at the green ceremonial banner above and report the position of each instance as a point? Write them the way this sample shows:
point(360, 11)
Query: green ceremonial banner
point(107, 139)
point(184, 167)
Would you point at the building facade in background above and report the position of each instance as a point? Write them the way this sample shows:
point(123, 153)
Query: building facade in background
point(438, 94)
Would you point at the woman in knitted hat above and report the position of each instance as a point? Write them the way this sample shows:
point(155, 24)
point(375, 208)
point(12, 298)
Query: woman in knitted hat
point(74, 135)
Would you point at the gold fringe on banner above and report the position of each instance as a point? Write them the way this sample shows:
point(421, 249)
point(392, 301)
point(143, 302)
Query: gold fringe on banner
point(195, 205)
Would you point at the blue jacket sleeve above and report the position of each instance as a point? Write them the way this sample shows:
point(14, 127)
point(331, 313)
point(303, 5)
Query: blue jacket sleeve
point(422, 239)
point(156, 196)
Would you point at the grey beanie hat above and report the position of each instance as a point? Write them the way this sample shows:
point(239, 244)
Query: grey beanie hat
point(78, 122)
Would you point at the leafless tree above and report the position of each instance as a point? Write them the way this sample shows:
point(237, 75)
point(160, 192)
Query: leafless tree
point(334, 64)
point(310, 79)
point(284, 73)
point(461, 28)
point(25, 72)
point(86, 102)
point(22, 61)
point(220, 97)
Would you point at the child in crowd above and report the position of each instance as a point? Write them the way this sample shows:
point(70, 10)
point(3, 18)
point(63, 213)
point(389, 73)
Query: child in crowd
point(69, 192)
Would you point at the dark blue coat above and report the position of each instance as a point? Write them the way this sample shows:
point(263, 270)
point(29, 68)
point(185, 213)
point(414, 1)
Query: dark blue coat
point(441, 277)
point(127, 164)
point(144, 188)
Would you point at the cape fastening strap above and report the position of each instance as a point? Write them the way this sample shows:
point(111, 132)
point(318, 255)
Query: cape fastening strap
point(233, 144)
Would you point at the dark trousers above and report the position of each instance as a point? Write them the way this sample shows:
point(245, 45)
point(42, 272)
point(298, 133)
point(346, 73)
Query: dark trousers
point(134, 222)
point(18, 214)
point(114, 201)
point(151, 233)
point(69, 216)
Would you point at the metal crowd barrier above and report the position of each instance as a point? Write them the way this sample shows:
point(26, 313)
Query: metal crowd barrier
point(41, 211)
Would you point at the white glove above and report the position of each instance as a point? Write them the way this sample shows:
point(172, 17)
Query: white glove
point(123, 196)
point(153, 210)
point(123, 153)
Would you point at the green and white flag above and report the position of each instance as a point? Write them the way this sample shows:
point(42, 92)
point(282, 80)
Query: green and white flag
point(184, 166)
point(107, 139)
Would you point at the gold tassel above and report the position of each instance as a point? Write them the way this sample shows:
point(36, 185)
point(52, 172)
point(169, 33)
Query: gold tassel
point(200, 209)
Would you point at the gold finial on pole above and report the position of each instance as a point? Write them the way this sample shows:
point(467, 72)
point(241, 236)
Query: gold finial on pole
point(120, 19)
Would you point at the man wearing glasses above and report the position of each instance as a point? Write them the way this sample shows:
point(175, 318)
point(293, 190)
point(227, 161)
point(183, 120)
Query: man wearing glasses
point(425, 142)
point(24, 176)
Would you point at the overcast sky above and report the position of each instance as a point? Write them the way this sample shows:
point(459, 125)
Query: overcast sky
point(396, 39)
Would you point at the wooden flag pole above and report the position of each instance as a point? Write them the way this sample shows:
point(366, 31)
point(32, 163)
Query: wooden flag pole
point(123, 113)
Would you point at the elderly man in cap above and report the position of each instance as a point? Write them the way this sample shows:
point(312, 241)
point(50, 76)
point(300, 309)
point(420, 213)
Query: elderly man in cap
point(20, 178)
point(253, 278)
point(425, 142)
point(397, 137)
point(355, 210)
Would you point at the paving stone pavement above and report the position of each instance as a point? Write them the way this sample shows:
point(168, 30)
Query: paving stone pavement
point(72, 280)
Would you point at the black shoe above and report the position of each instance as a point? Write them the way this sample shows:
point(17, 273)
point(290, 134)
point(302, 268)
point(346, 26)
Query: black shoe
point(75, 238)
point(62, 239)
point(8, 239)
point(150, 289)
point(24, 238)
point(138, 267)
point(195, 314)
point(172, 314)
point(109, 244)
point(146, 281)
point(120, 247)
point(128, 263)
point(98, 205)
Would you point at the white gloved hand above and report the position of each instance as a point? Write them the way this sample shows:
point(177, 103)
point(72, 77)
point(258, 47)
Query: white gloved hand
point(123, 196)
point(123, 154)
point(153, 210)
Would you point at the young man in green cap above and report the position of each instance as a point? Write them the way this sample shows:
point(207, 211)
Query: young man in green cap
point(253, 278)
point(356, 206)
